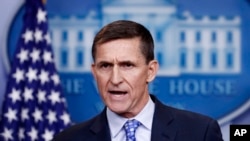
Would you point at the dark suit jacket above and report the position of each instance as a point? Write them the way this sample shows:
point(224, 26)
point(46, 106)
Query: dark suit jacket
point(169, 124)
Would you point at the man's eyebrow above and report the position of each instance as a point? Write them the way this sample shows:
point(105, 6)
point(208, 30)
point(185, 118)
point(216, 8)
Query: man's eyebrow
point(126, 62)
point(122, 62)
point(104, 62)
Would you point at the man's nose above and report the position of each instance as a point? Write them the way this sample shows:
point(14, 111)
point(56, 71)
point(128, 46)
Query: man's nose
point(116, 76)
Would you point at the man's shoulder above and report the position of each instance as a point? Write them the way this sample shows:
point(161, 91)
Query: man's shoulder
point(77, 130)
point(188, 124)
point(186, 115)
point(181, 115)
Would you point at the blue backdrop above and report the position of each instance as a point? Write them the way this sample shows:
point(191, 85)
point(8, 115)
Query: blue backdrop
point(202, 47)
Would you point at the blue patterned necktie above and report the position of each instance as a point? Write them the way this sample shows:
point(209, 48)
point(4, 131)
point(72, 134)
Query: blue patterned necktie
point(130, 127)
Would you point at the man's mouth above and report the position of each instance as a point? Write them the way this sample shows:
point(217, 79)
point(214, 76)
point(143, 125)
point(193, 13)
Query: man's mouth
point(117, 92)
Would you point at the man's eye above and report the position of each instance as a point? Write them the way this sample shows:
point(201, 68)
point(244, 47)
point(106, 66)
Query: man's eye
point(105, 65)
point(127, 65)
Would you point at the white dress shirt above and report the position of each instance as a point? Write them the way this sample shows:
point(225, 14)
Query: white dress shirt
point(143, 132)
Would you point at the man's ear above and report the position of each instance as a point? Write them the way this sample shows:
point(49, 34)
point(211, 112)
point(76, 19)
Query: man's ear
point(152, 70)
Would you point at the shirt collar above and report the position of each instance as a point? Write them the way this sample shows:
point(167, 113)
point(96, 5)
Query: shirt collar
point(116, 122)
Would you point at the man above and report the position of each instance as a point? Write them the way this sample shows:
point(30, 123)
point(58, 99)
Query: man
point(124, 64)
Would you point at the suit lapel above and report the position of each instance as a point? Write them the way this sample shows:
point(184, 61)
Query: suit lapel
point(163, 127)
point(100, 128)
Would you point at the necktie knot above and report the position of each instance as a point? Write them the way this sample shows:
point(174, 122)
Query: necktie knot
point(130, 127)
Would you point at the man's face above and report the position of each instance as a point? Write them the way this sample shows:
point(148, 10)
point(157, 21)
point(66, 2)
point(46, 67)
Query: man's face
point(122, 76)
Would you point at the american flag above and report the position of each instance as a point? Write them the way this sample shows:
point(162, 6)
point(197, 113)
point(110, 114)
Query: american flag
point(34, 108)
